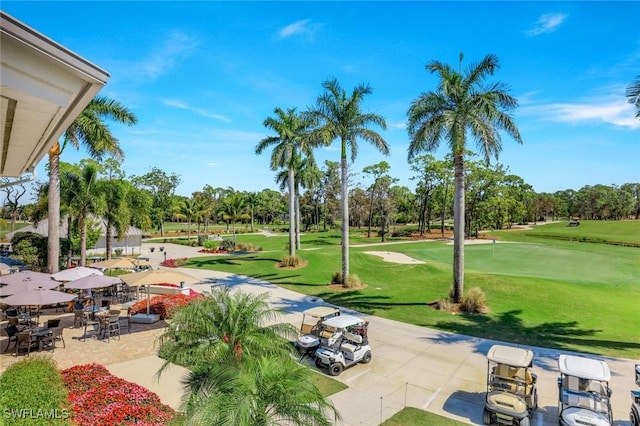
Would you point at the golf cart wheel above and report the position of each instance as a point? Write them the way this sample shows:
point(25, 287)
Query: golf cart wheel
point(534, 399)
point(486, 416)
point(366, 358)
point(319, 363)
point(633, 419)
point(525, 421)
point(335, 369)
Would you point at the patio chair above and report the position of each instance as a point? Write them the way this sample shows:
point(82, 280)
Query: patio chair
point(90, 324)
point(113, 326)
point(125, 319)
point(78, 317)
point(12, 332)
point(49, 341)
point(52, 323)
point(25, 341)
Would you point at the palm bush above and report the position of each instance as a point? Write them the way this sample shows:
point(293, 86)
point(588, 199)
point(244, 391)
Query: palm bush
point(474, 302)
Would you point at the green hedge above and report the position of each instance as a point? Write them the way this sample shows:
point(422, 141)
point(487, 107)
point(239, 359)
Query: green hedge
point(32, 392)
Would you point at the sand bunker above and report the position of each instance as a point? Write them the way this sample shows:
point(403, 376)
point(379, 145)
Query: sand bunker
point(393, 257)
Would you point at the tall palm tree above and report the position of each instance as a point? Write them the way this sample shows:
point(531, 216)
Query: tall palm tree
point(263, 392)
point(82, 195)
point(233, 207)
point(461, 107)
point(633, 95)
point(340, 117)
point(90, 131)
point(291, 141)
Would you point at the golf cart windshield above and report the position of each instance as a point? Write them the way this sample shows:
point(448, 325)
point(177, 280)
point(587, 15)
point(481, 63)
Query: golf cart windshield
point(313, 317)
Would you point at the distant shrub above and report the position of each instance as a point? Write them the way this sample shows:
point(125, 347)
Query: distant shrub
point(228, 244)
point(474, 302)
point(290, 261)
point(401, 233)
point(352, 281)
point(247, 247)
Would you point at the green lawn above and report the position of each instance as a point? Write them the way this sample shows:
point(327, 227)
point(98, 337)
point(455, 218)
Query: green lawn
point(605, 230)
point(537, 290)
point(409, 416)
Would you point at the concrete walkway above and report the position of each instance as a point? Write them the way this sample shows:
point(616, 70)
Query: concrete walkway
point(412, 366)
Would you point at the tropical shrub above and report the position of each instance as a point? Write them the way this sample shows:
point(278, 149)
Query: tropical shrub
point(99, 398)
point(228, 244)
point(474, 302)
point(247, 247)
point(290, 261)
point(34, 392)
point(352, 281)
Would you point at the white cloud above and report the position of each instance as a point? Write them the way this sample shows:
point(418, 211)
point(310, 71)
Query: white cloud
point(547, 23)
point(169, 52)
point(611, 110)
point(181, 105)
point(212, 164)
point(302, 27)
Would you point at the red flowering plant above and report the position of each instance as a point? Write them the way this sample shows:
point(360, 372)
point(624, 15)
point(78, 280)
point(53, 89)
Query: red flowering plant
point(174, 263)
point(99, 398)
point(164, 305)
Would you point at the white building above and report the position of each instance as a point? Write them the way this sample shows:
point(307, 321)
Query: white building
point(130, 244)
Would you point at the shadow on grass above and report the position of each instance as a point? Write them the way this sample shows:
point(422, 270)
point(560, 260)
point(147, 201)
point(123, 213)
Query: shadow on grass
point(208, 262)
point(360, 302)
point(547, 338)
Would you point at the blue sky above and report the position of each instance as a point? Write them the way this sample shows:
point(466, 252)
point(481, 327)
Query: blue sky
point(203, 76)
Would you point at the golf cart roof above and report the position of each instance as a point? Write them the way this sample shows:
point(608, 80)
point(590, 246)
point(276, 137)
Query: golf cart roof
point(515, 357)
point(584, 368)
point(342, 321)
point(321, 311)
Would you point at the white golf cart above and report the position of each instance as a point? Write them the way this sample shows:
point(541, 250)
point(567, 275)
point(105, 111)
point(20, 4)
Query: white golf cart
point(312, 318)
point(584, 393)
point(634, 415)
point(343, 343)
point(512, 393)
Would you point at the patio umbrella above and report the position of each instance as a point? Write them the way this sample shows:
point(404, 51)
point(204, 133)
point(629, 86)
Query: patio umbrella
point(157, 277)
point(92, 281)
point(76, 273)
point(121, 263)
point(27, 285)
point(38, 296)
point(23, 276)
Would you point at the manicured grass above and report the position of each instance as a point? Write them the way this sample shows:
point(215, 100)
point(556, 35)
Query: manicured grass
point(327, 385)
point(409, 416)
point(599, 230)
point(551, 293)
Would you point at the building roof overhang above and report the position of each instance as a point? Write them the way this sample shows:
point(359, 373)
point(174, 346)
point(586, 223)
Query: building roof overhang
point(43, 88)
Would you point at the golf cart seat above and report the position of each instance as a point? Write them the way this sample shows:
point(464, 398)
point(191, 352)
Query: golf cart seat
point(352, 342)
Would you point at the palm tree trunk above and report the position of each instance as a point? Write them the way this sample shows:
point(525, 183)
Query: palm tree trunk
point(53, 240)
point(109, 240)
point(458, 229)
point(345, 213)
point(297, 218)
point(292, 213)
point(82, 224)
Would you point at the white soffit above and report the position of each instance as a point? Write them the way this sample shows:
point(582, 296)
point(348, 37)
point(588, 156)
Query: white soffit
point(43, 88)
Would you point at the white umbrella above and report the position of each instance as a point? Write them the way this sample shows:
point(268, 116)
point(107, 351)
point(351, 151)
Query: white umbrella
point(39, 296)
point(28, 285)
point(23, 276)
point(76, 273)
point(92, 281)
